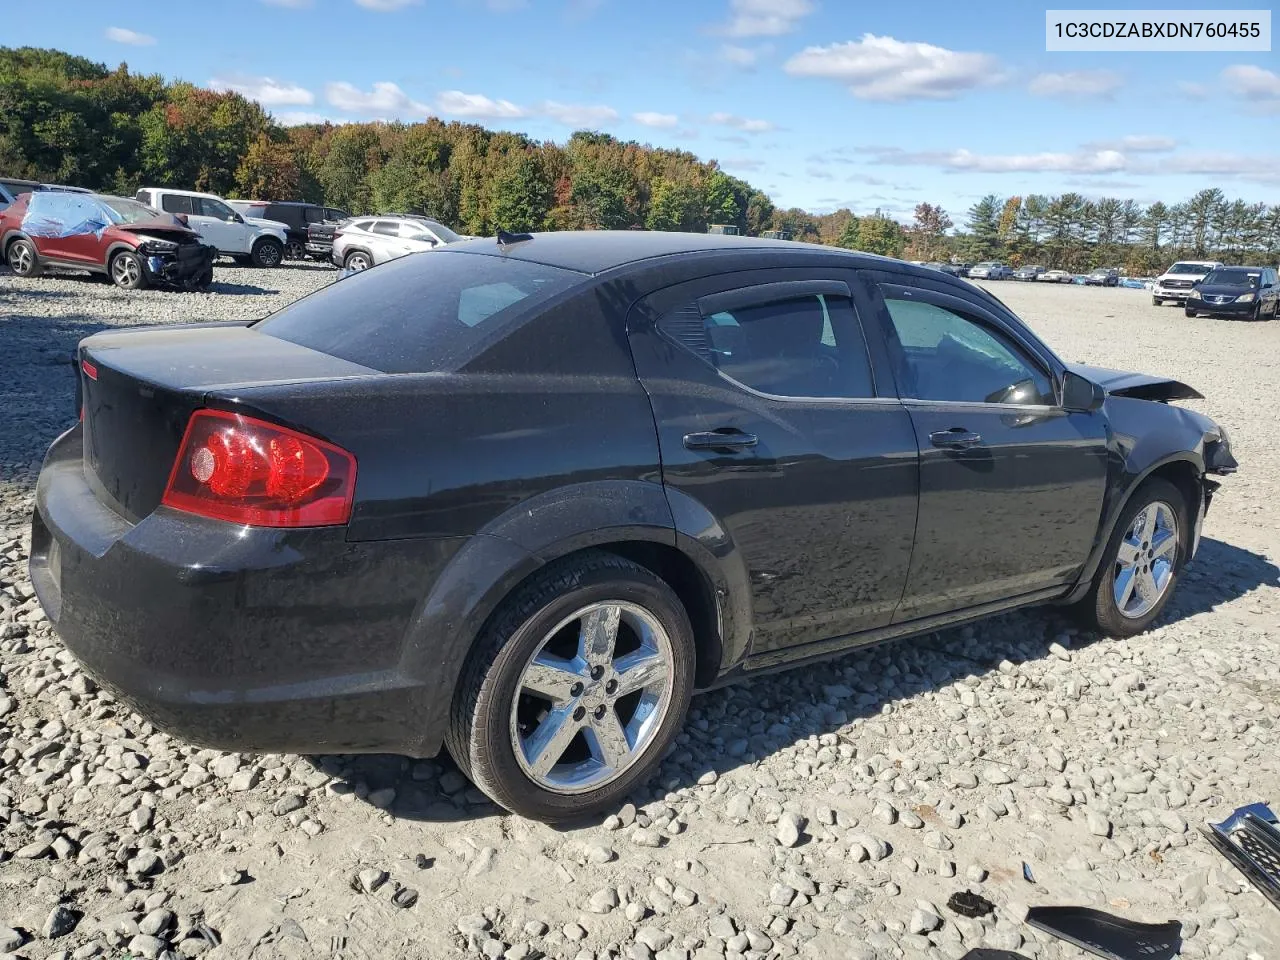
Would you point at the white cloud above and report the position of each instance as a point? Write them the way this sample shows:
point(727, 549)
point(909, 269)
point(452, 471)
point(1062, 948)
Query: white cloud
point(650, 119)
point(476, 105)
point(764, 18)
point(295, 118)
point(882, 68)
point(746, 164)
point(1140, 143)
point(577, 115)
point(745, 57)
point(1196, 91)
point(1256, 167)
point(267, 91)
point(386, 6)
point(384, 100)
point(1077, 84)
point(131, 37)
point(745, 124)
point(1254, 84)
point(1081, 161)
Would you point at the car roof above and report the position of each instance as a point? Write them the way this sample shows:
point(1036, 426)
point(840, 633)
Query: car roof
point(595, 251)
point(185, 193)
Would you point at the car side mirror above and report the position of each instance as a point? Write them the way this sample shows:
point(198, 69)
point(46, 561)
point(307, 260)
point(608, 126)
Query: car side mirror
point(235, 218)
point(1080, 395)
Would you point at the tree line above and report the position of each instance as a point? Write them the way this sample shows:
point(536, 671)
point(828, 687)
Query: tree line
point(67, 119)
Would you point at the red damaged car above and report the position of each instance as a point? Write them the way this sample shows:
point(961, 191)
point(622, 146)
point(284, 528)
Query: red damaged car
point(131, 243)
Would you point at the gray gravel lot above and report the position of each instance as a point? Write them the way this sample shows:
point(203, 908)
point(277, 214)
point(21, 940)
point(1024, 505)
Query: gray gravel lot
point(826, 812)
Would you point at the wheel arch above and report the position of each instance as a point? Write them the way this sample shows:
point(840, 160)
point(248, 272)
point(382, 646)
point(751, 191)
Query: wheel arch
point(629, 518)
point(1183, 468)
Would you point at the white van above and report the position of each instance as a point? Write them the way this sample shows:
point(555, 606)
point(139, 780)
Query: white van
point(247, 239)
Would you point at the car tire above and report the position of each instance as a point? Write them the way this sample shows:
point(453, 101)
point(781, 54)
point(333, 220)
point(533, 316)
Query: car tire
point(127, 271)
point(296, 250)
point(1189, 313)
point(357, 260)
point(1256, 315)
point(1157, 302)
point(267, 252)
point(23, 259)
point(548, 617)
point(1101, 609)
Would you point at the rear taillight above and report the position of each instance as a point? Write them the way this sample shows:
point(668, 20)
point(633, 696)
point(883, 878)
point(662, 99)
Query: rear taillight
point(244, 470)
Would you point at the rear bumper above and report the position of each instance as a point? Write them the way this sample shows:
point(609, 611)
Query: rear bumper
point(233, 637)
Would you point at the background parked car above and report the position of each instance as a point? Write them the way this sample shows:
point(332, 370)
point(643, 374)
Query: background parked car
point(1176, 282)
point(128, 241)
point(1028, 273)
point(246, 239)
point(364, 242)
point(1103, 277)
point(297, 218)
point(1252, 292)
point(990, 270)
point(1056, 276)
point(954, 269)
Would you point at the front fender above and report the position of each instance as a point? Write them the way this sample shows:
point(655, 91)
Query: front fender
point(1146, 437)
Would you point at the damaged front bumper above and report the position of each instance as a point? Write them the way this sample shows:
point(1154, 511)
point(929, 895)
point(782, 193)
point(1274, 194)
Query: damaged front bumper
point(186, 265)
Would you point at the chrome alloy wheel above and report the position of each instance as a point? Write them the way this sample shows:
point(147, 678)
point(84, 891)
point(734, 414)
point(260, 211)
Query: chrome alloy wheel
point(592, 697)
point(1145, 560)
point(20, 259)
point(126, 271)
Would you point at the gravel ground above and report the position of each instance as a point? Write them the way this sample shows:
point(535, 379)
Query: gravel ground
point(826, 812)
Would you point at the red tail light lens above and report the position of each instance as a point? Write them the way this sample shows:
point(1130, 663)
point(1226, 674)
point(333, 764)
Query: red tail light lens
point(237, 468)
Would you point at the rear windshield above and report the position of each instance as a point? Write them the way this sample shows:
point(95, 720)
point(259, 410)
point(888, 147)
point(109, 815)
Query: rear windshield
point(423, 313)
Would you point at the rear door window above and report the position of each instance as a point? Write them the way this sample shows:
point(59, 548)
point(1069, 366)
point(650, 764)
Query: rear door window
point(175, 203)
point(420, 314)
point(386, 228)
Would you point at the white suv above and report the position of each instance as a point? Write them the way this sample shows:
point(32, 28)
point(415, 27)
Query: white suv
point(247, 239)
point(364, 242)
point(1176, 282)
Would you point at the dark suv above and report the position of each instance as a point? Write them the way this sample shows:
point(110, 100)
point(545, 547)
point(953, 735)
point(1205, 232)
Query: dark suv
point(296, 216)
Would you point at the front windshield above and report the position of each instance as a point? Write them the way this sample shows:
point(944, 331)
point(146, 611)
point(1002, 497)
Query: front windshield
point(1188, 268)
point(443, 232)
point(1235, 278)
point(986, 265)
point(128, 211)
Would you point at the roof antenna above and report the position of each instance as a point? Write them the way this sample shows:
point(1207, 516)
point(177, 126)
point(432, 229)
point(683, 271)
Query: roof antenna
point(505, 238)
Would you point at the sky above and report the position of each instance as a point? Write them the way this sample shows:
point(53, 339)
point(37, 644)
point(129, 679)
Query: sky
point(820, 103)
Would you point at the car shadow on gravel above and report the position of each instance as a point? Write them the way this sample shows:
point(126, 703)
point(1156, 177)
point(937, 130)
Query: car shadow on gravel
point(239, 289)
point(760, 716)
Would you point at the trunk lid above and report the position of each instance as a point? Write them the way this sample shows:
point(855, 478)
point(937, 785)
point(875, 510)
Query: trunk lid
point(139, 388)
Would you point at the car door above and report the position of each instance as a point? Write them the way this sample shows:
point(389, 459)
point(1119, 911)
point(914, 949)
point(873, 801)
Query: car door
point(768, 416)
point(1011, 484)
point(81, 220)
point(220, 225)
point(417, 237)
point(384, 241)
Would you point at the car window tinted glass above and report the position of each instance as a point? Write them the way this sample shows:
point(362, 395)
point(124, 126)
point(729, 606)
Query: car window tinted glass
point(1235, 278)
point(419, 314)
point(810, 346)
point(413, 231)
point(312, 214)
point(207, 207)
point(175, 203)
point(386, 228)
point(948, 356)
point(1189, 268)
point(364, 225)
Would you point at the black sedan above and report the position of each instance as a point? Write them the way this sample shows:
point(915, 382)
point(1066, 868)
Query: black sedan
point(522, 498)
point(1249, 292)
